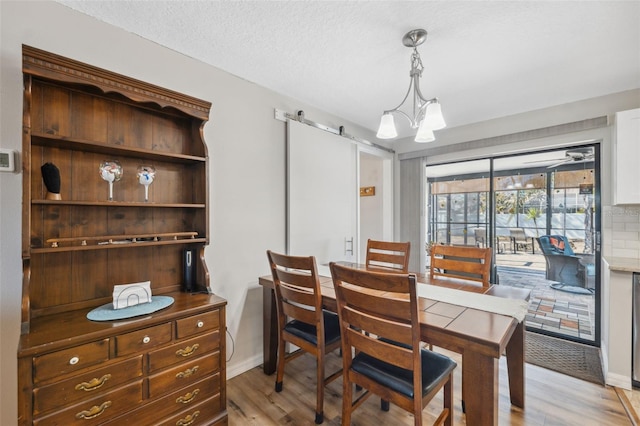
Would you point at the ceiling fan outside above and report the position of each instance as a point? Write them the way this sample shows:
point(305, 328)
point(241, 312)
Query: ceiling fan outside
point(571, 155)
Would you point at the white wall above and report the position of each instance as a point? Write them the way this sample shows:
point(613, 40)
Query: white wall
point(247, 165)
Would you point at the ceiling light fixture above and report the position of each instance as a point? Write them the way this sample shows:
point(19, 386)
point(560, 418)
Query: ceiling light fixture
point(427, 114)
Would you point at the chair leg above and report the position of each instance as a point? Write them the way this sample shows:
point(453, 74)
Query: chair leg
point(280, 368)
point(448, 400)
point(319, 388)
point(347, 396)
point(384, 405)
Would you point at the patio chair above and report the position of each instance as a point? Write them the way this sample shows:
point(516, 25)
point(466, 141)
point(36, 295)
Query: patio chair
point(480, 235)
point(520, 240)
point(563, 265)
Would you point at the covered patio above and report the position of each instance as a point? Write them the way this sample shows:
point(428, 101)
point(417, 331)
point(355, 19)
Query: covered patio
point(562, 312)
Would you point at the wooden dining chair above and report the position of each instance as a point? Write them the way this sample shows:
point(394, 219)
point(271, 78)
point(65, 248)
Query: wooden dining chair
point(462, 262)
point(388, 255)
point(379, 323)
point(301, 319)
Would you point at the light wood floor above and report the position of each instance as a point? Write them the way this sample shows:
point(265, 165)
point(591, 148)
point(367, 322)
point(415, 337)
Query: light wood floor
point(551, 399)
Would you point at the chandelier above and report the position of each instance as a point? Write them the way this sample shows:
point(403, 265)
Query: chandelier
point(426, 115)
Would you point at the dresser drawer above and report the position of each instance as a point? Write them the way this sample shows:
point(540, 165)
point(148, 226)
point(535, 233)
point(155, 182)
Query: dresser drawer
point(85, 385)
point(196, 324)
point(183, 351)
point(142, 340)
point(68, 360)
point(183, 375)
point(173, 403)
point(97, 410)
point(201, 414)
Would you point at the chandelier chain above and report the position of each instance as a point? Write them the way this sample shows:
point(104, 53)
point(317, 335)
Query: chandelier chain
point(416, 64)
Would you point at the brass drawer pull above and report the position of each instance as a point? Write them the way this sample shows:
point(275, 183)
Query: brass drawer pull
point(188, 351)
point(186, 373)
point(93, 384)
point(190, 396)
point(188, 420)
point(94, 411)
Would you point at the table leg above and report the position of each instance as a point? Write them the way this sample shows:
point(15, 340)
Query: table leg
point(269, 330)
point(515, 366)
point(480, 388)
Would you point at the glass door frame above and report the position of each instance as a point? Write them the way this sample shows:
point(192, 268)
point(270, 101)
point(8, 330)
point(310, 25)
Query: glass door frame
point(490, 221)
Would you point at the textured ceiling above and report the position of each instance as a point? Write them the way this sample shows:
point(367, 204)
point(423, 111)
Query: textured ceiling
point(483, 59)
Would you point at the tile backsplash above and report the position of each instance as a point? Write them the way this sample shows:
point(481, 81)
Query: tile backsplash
point(621, 231)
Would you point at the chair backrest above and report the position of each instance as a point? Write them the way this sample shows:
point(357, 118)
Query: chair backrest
point(370, 319)
point(297, 290)
point(555, 244)
point(480, 235)
point(465, 262)
point(518, 234)
point(388, 256)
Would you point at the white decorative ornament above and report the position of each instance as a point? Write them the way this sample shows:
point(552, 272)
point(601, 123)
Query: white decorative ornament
point(146, 174)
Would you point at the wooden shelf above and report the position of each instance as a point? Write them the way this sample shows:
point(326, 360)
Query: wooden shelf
point(118, 204)
point(44, 139)
point(118, 246)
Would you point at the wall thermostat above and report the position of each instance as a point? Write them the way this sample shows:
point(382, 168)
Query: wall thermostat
point(7, 160)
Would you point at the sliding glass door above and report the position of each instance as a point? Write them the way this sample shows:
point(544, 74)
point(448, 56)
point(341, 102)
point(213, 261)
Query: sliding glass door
point(539, 212)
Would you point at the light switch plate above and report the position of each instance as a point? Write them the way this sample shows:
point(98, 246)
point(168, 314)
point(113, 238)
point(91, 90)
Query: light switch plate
point(7, 160)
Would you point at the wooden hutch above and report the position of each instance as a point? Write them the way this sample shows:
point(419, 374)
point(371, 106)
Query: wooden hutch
point(165, 367)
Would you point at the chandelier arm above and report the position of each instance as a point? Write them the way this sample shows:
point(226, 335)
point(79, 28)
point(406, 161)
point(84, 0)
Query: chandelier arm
point(424, 100)
point(403, 99)
point(402, 113)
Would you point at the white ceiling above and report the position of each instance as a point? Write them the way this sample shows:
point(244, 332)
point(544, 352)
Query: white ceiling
point(483, 59)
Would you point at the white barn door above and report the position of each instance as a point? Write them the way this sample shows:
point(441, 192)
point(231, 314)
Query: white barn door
point(322, 195)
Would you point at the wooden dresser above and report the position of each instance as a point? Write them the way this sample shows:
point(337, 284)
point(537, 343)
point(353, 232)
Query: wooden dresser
point(161, 368)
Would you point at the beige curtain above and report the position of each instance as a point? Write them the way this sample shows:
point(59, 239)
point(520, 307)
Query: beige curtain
point(412, 210)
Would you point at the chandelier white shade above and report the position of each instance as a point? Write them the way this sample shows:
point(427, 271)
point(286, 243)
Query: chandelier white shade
point(425, 134)
point(387, 129)
point(433, 118)
point(426, 113)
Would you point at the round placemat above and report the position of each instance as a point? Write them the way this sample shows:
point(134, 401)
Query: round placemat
point(107, 313)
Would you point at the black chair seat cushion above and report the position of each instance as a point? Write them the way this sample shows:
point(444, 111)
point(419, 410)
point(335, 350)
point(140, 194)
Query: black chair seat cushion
point(308, 332)
point(435, 367)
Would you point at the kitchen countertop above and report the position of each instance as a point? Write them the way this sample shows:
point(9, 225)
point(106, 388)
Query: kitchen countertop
point(623, 264)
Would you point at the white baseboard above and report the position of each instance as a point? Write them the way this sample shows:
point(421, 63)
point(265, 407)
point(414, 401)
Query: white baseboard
point(618, 380)
point(612, 379)
point(244, 366)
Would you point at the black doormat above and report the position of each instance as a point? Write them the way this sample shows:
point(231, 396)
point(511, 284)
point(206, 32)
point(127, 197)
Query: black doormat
point(574, 359)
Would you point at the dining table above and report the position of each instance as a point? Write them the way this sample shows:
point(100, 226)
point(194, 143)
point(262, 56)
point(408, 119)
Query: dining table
point(480, 336)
